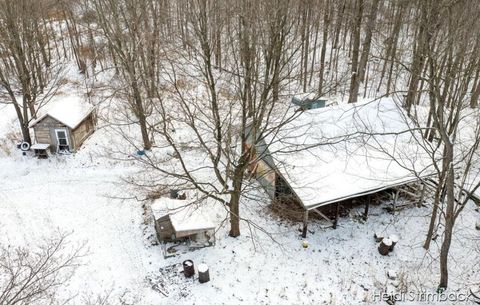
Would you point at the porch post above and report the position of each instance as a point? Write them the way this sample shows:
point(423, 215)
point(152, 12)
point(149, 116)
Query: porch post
point(337, 213)
point(365, 214)
point(305, 222)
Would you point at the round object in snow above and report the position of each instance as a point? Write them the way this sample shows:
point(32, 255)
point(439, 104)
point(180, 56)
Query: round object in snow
point(394, 238)
point(378, 237)
point(387, 241)
point(25, 146)
point(203, 273)
point(202, 268)
point(392, 274)
point(305, 244)
point(385, 246)
point(188, 268)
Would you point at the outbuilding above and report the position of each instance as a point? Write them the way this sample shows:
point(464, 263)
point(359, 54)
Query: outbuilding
point(65, 125)
point(177, 220)
point(308, 101)
point(329, 155)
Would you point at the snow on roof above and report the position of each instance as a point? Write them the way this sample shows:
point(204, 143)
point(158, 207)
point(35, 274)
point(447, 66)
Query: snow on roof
point(69, 110)
point(336, 153)
point(185, 215)
point(40, 146)
point(309, 96)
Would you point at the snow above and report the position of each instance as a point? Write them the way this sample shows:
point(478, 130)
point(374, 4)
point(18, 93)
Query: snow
point(70, 110)
point(339, 152)
point(394, 238)
point(85, 193)
point(392, 274)
point(40, 146)
point(202, 268)
point(387, 241)
point(309, 96)
point(185, 215)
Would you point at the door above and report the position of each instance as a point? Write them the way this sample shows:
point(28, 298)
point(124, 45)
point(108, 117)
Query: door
point(62, 140)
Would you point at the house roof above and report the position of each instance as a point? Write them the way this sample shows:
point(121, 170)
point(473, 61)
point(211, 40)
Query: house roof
point(345, 151)
point(185, 215)
point(69, 110)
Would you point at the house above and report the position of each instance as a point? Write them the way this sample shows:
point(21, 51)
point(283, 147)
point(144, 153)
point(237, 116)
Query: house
point(177, 219)
point(327, 155)
point(307, 101)
point(65, 125)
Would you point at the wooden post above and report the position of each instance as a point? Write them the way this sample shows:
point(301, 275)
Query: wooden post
point(337, 212)
point(395, 200)
point(422, 196)
point(305, 222)
point(365, 214)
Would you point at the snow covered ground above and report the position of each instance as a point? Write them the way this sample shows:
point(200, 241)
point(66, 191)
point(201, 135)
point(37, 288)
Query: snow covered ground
point(85, 194)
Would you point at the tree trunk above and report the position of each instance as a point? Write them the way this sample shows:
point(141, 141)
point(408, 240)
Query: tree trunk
point(449, 217)
point(142, 119)
point(367, 42)
point(235, 202)
point(234, 215)
point(433, 219)
point(356, 50)
point(326, 24)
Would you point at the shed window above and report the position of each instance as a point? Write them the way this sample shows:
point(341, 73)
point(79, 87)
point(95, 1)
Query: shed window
point(62, 137)
point(62, 140)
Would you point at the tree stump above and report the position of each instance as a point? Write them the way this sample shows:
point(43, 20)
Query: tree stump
point(384, 246)
point(394, 238)
point(188, 268)
point(203, 274)
point(378, 236)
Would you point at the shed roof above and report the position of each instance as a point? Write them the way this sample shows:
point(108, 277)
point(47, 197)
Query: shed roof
point(345, 151)
point(185, 215)
point(40, 146)
point(68, 110)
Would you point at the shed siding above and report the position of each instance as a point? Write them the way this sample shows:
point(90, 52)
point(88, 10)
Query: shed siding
point(164, 228)
point(81, 133)
point(42, 135)
point(45, 132)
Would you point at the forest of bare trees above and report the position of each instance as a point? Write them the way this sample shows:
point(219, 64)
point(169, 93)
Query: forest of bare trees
point(216, 68)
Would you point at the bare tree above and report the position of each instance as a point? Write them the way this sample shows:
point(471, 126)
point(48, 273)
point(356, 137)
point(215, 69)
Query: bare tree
point(217, 107)
point(34, 276)
point(132, 32)
point(29, 74)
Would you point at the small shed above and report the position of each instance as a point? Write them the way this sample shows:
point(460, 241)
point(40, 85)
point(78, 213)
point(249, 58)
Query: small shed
point(65, 125)
point(177, 219)
point(307, 101)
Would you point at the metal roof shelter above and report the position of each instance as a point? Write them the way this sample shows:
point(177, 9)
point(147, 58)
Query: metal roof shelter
point(328, 155)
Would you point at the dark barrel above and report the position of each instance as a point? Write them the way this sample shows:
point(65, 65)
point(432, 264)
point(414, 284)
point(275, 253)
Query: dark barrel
point(188, 268)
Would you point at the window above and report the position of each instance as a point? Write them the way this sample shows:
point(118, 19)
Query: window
point(62, 140)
